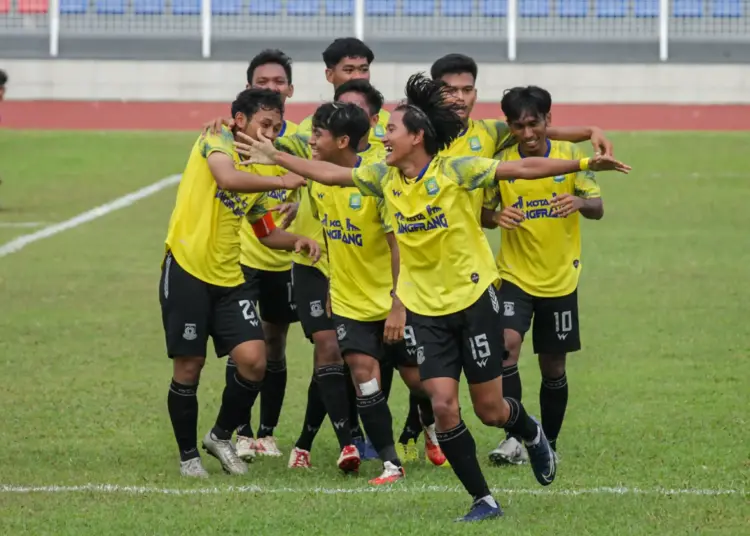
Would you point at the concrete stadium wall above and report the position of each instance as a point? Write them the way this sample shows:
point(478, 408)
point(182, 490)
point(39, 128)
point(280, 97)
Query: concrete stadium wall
point(219, 81)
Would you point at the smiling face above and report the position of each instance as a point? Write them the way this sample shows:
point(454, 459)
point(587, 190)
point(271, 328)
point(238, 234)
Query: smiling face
point(272, 76)
point(398, 141)
point(531, 132)
point(348, 69)
point(461, 92)
point(269, 122)
point(355, 97)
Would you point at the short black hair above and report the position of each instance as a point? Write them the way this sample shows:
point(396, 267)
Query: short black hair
point(454, 64)
point(373, 97)
point(270, 56)
point(3, 77)
point(250, 101)
point(342, 119)
point(426, 109)
point(346, 47)
point(532, 100)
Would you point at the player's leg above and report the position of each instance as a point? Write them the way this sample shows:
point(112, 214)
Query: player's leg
point(556, 333)
point(517, 310)
point(407, 441)
point(185, 307)
point(315, 414)
point(483, 350)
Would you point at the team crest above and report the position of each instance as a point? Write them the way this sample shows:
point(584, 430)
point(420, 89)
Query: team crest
point(316, 309)
point(431, 186)
point(341, 332)
point(379, 131)
point(559, 178)
point(190, 333)
point(355, 201)
point(509, 308)
point(475, 144)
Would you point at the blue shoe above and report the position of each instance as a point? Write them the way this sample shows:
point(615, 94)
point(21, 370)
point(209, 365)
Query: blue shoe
point(365, 448)
point(542, 459)
point(370, 453)
point(480, 511)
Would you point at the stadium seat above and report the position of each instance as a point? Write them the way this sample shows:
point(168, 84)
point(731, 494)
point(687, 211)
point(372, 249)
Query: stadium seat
point(148, 7)
point(610, 9)
point(110, 7)
point(572, 8)
point(265, 7)
point(419, 8)
point(32, 6)
point(340, 8)
point(646, 9)
point(186, 7)
point(300, 8)
point(457, 8)
point(4, 7)
point(380, 8)
point(533, 8)
point(225, 7)
point(687, 8)
point(493, 8)
point(726, 8)
point(73, 7)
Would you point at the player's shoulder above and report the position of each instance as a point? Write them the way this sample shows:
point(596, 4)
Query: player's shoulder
point(383, 116)
point(374, 154)
point(289, 128)
point(305, 126)
point(508, 154)
point(222, 141)
point(491, 127)
point(564, 149)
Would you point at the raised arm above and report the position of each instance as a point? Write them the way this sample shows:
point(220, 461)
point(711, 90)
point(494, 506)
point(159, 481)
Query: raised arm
point(596, 135)
point(540, 168)
point(316, 170)
point(229, 178)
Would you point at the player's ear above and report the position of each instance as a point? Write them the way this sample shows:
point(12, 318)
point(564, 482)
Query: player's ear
point(240, 121)
point(248, 86)
point(374, 120)
point(329, 75)
point(548, 119)
point(290, 93)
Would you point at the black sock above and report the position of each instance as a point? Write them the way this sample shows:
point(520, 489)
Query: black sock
point(182, 403)
point(315, 414)
point(519, 423)
point(236, 402)
point(426, 416)
point(461, 451)
point(386, 379)
point(351, 394)
point(553, 400)
point(413, 425)
point(512, 384)
point(333, 390)
point(244, 430)
point(378, 423)
point(272, 397)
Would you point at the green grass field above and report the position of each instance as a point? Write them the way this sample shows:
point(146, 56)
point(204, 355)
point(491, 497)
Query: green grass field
point(659, 395)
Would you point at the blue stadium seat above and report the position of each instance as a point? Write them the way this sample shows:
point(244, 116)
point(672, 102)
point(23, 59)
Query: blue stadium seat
point(493, 8)
point(73, 7)
point(265, 7)
point(148, 7)
point(646, 9)
point(110, 7)
point(687, 8)
point(572, 8)
point(610, 9)
point(225, 7)
point(301, 8)
point(340, 8)
point(419, 8)
point(457, 8)
point(380, 8)
point(726, 8)
point(533, 8)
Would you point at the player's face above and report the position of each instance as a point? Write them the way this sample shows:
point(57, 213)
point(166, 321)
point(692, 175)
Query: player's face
point(460, 90)
point(531, 132)
point(357, 98)
point(269, 122)
point(323, 145)
point(272, 76)
point(398, 141)
point(348, 69)
point(2, 92)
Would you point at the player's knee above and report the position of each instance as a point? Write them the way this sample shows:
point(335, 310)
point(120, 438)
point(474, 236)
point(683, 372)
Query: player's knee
point(326, 349)
point(513, 343)
point(491, 412)
point(446, 411)
point(411, 378)
point(250, 358)
point(552, 365)
point(187, 370)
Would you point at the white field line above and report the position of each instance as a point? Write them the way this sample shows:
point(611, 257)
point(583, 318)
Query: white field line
point(22, 241)
point(20, 224)
point(231, 490)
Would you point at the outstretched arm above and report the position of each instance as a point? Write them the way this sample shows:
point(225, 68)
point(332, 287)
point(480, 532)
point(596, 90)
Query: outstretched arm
point(599, 140)
point(229, 178)
point(316, 170)
point(540, 168)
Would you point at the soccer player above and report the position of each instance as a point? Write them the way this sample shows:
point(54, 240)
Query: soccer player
point(539, 259)
point(202, 290)
point(3, 83)
point(448, 274)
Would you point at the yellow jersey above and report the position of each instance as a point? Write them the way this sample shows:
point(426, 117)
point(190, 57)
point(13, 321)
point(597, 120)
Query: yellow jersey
point(542, 255)
point(204, 230)
point(446, 261)
point(253, 253)
point(376, 133)
point(360, 273)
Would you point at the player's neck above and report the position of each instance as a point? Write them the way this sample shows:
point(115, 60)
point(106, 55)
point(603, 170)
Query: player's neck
point(541, 149)
point(347, 159)
point(414, 166)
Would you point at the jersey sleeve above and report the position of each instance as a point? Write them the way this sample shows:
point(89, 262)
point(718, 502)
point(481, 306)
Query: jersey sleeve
point(370, 179)
point(500, 133)
point(491, 198)
point(385, 216)
point(309, 191)
point(258, 208)
point(295, 145)
point(222, 142)
point(305, 127)
point(585, 181)
point(472, 172)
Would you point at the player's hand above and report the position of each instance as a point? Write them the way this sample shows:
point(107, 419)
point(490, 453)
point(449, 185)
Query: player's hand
point(566, 204)
point(607, 163)
point(260, 151)
point(214, 127)
point(602, 145)
point(509, 218)
point(288, 211)
point(395, 323)
point(292, 181)
point(308, 245)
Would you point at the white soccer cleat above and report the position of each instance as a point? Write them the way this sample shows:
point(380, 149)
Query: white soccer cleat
point(391, 474)
point(299, 459)
point(349, 459)
point(245, 447)
point(266, 446)
point(510, 451)
point(193, 468)
point(223, 450)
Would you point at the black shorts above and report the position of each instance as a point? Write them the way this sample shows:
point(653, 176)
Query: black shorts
point(273, 293)
point(357, 336)
point(192, 310)
point(311, 295)
point(470, 340)
point(556, 328)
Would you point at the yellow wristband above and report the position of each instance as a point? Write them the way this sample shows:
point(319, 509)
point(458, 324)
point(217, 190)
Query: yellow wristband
point(584, 163)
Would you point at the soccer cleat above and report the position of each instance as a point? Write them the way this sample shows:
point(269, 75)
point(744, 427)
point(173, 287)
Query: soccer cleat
point(193, 468)
point(391, 473)
point(510, 451)
point(266, 446)
point(407, 452)
point(349, 459)
point(432, 450)
point(542, 458)
point(246, 448)
point(299, 459)
point(480, 511)
point(365, 449)
point(223, 450)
